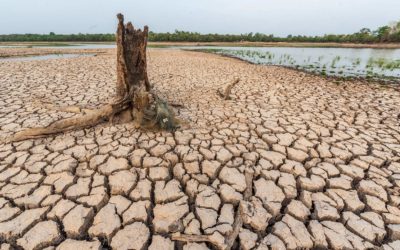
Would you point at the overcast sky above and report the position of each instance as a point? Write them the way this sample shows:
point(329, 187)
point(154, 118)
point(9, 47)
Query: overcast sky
point(278, 17)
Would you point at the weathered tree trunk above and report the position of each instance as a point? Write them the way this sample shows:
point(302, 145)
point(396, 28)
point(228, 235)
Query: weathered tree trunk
point(132, 82)
point(131, 58)
point(134, 99)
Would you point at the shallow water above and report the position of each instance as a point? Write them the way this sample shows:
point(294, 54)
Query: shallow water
point(349, 62)
point(80, 46)
point(43, 57)
point(13, 46)
point(70, 46)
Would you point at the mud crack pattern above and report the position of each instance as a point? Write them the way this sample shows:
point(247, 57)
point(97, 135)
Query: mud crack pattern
point(325, 159)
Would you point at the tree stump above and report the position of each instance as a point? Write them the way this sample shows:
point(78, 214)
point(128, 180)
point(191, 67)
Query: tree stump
point(134, 98)
point(132, 81)
point(131, 58)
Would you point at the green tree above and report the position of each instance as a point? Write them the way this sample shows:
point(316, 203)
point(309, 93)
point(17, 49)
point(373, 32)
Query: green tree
point(382, 33)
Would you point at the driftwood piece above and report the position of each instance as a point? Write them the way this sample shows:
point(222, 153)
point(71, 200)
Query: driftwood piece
point(228, 89)
point(134, 99)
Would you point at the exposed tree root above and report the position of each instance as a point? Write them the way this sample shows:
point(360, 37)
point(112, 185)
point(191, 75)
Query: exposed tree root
point(90, 119)
point(228, 89)
point(156, 116)
point(68, 109)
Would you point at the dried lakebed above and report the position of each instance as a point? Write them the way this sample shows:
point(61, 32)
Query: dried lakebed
point(324, 159)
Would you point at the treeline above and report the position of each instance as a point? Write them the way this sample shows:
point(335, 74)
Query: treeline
point(52, 37)
point(385, 34)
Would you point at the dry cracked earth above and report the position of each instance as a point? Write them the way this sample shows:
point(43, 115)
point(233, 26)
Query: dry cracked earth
point(302, 161)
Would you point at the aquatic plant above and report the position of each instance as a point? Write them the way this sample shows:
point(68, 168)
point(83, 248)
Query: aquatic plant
point(346, 68)
point(334, 61)
point(357, 61)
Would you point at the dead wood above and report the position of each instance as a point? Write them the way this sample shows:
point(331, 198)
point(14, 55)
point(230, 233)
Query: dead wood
point(76, 109)
point(134, 99)
point(248, 175)
point(216, 239)
point(238, 222)
point(80, 122)
point(228, 89)
point(191, 237)
point(236, 226)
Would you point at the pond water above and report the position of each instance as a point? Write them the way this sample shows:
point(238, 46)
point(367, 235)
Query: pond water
point(66, 46)
point(348, 62)
point(81, 46)
point(12, 46)
point(42, 57)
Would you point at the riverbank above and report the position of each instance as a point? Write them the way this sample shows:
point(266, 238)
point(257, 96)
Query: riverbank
point(311, 163)
point(226, 44)
point(281, 44)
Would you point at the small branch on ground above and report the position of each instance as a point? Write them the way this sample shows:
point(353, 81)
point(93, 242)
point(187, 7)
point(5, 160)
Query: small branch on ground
point(191, 237)
point(177, 105)
point(236, 226)
point(228, 89)
point(216, 239)
point(238, 222)
point(248, 175)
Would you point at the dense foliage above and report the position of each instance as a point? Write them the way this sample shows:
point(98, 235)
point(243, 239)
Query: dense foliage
point(52, 37)
point(389, 33)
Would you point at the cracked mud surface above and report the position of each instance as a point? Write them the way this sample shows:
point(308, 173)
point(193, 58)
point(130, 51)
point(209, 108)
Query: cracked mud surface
point(325, 159)
point(6, 53)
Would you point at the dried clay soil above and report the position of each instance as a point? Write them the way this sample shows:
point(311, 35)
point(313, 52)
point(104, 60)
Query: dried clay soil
point(323, 157)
